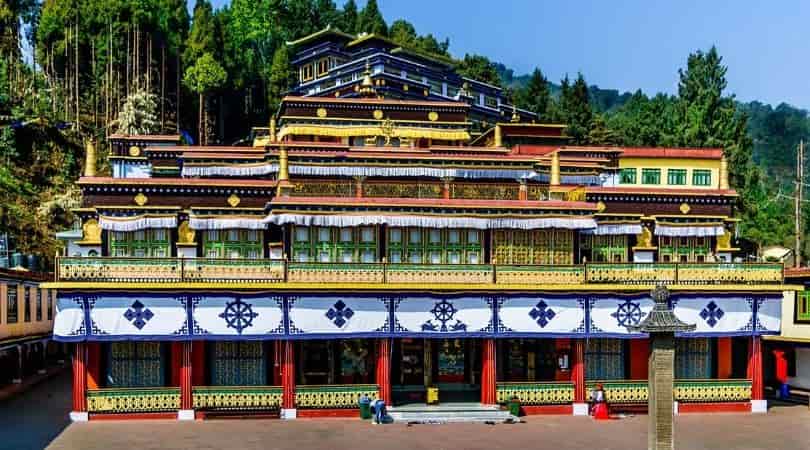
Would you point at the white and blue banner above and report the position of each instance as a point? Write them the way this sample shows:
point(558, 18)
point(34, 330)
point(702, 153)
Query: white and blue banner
point(541, 315)
point(220, 316)
point(337, 315)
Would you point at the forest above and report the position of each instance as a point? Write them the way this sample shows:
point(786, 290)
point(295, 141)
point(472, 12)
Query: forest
point(75, 70)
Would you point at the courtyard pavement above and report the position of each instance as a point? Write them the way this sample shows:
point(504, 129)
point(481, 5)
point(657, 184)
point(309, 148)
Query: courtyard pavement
point(784, 427)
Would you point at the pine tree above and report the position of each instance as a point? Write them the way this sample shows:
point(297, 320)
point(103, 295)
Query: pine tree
point(349, 18)
point(280, 79)
point(371, 20)
point(575, 109)
point(536, 97)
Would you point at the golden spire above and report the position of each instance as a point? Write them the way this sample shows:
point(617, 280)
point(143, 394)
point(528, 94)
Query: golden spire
point(367, 85)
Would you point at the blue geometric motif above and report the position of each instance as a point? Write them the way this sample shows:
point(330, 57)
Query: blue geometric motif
point(239, 315)
point(712, 314)
point(542, 314)
point(443, 312)
point(628, 313)
point(339, 314)
point(138, 314)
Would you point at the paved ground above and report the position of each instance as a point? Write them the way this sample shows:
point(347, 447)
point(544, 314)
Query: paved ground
point(781, 428)
point(31, 419)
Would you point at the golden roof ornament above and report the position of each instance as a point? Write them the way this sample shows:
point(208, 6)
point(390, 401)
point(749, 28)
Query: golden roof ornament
point(367, 85)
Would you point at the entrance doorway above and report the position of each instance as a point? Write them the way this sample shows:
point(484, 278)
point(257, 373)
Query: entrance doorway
point(452, 365)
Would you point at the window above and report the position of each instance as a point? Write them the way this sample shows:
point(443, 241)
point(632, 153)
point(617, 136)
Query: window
point(233, 244)
point(39, 304)
point(151, 243)
point(136, 364)
point(435, 246)
point(702, 177)
point(12, 307)
point(604, 359)
point(676, 177)
point(333, 244)
point(651, 176)
point(627, 176)
point(236, 363)
point(27, 304)
point(51, 301)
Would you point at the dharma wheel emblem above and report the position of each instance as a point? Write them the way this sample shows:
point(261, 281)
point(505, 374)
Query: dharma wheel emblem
point(239, 315)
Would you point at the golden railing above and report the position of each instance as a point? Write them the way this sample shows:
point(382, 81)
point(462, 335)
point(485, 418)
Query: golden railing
point(198, 270)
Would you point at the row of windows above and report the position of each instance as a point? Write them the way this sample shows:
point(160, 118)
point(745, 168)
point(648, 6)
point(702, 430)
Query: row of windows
point(675, 177)
point(13, 305)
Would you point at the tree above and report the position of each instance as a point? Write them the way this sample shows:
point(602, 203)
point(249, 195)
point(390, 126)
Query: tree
point(575, 109)
point(203, 77)
point(536, 97)
point(479, 68)
point(371, 20)
point(281, 78)
point(348, 19)
point(138, 115)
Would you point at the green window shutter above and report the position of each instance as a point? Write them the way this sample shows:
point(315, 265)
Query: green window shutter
point(676, 177)
point(627, 176)
point(651, 176)
point(701, 177)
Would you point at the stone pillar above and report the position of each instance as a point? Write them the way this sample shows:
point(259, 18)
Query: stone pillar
point(489, 394)
point(660, 386)
point(383, 369)
point(186, 385)
point(578, 377)
point(758, 402)
point(79, 412)
point(288, 381)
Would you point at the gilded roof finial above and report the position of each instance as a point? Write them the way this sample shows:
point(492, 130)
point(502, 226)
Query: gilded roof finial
point(367, 85)
point(515, 115)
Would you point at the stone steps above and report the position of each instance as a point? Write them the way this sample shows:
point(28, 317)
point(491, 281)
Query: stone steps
point(456, 413)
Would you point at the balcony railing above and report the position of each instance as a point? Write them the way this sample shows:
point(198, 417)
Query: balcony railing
point(200, 270)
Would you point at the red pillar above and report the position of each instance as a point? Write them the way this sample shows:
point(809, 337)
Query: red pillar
point(755, 368)
point(186, 385)
point(288, 376)
point(80, 378)
point(489, 394)
point(383, 375)
point(578, 369)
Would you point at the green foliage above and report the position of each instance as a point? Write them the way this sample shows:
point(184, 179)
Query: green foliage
point(138, 114)
point(281, 78)
point(371, 20)
point(479, 68)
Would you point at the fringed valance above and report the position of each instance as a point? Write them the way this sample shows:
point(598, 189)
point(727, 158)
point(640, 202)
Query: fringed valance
point(135, 223)
point(231, 170)
point(615, 229)
point(393, 171)
point(587, 180)
point(693, 229)
point(394, 132)
point(345, 220)
point(225, 222)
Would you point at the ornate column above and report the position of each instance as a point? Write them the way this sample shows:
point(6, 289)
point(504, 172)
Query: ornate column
point(186, 385)
point(489, 395)
point(288, 381)
point(758, 402)
point(79, 411)
point(383, 369)
point(578, 377)
point(661, 324)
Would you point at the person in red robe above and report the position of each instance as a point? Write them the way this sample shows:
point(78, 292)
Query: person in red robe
point(599, 410)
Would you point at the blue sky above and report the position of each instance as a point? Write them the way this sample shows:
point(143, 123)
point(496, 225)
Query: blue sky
point(628, 44)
